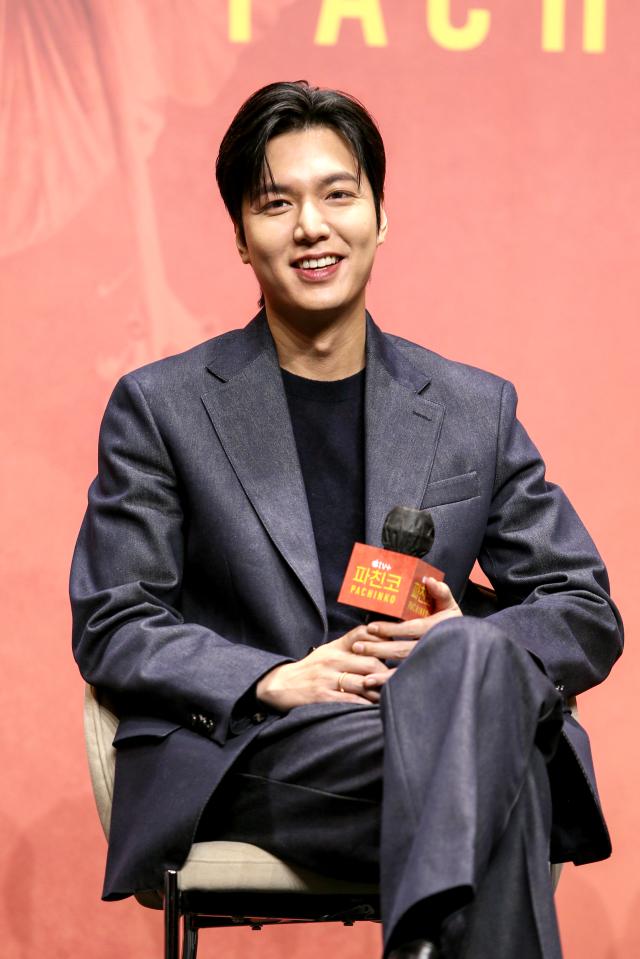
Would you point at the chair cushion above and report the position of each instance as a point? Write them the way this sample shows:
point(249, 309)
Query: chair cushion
point(239, 866)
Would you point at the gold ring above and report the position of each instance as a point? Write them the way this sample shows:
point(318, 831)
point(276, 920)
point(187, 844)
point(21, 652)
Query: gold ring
point(340, 678)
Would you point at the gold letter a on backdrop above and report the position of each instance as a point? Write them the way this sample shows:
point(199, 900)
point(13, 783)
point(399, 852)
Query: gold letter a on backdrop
point(368, 12)
point(471, 35)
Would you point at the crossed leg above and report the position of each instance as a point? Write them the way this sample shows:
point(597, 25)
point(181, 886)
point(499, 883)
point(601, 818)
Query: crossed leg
point(441, 793)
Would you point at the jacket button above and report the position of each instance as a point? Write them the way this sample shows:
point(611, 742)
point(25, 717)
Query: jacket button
point(258, 718)
point(560, 687)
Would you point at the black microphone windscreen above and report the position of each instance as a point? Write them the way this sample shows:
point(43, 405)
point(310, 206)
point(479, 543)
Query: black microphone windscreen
point(408, 530)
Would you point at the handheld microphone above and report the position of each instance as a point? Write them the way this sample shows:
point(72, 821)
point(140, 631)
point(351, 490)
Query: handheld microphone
point(391, 580)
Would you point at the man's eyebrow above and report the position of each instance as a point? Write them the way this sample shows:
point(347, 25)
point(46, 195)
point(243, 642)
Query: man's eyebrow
point(323, 183)
point(336, 177)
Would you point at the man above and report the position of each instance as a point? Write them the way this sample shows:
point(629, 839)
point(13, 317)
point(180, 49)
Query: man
point(233, 481)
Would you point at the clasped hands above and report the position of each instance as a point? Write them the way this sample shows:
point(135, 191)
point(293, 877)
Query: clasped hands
point(352, 668)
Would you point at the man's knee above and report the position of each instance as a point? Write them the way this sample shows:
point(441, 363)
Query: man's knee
point(465, 651)
point(466, 638)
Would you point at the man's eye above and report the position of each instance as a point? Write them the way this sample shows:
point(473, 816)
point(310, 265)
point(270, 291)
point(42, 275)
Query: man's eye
point(275, 205)
point(339, 194)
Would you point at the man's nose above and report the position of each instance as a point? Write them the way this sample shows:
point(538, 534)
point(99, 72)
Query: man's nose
point(312, 224)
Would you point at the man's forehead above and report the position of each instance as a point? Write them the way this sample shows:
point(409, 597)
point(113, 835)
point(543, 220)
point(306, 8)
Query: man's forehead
point(315, 156)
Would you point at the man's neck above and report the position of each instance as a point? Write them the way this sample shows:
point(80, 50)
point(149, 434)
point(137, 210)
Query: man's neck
point(329, 350)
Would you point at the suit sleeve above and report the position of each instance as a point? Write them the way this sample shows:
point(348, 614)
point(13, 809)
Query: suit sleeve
point(545, 568)
point(128, 634)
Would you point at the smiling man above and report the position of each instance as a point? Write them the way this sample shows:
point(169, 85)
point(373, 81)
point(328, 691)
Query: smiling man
point(435, 755)
point(319, 266)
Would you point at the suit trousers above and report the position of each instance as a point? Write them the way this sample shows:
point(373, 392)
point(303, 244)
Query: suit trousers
point(441, 793)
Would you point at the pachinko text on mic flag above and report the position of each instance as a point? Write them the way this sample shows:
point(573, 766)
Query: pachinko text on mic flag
point(383, 581)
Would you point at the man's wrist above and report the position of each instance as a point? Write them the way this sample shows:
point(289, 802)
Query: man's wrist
point(265, 684)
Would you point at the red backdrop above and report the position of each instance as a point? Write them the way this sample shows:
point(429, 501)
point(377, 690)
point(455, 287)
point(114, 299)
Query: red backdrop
point(513, 133)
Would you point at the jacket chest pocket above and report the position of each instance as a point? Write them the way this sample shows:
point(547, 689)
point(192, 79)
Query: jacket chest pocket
point(453, 489)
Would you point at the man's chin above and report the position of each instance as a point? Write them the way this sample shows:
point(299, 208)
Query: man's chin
point(317, 311)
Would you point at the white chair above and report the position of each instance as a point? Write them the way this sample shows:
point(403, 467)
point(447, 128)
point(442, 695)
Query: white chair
point(224, 883)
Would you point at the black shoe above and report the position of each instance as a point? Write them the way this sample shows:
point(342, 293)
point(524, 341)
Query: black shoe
point(418, 949)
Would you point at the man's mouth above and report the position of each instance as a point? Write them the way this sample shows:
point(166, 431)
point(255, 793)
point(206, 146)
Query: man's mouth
point(316, 263)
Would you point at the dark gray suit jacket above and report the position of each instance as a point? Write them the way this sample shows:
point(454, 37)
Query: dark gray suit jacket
point(196, 571)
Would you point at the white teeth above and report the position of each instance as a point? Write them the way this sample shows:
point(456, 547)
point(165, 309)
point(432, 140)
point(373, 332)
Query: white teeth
point(317, 264)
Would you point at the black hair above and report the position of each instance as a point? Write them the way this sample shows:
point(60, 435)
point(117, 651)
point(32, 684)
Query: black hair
point(242, 168)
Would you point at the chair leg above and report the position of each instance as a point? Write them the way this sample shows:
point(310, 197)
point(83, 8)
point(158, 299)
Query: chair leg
point(171, 915)
point(189, 938)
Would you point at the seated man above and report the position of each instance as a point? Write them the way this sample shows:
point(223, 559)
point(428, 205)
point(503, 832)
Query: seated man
point(233, 481)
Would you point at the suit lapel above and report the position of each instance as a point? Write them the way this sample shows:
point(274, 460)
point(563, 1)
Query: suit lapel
point(249, 412)
point(401, 432)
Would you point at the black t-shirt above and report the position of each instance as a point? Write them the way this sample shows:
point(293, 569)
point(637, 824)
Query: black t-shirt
point(328, 426)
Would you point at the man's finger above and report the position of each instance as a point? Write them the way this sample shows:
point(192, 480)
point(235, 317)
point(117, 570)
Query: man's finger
point(351, 684)
point(391, 649)
point(375, 680)
point(440, 618)
point(443, 603)
point(440, 594)
point(409, 629)
point(339, 697)
point(359, 664)
point(347, 640)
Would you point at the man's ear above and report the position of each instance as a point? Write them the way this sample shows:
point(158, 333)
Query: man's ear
point(241, 243)
point(384, 225)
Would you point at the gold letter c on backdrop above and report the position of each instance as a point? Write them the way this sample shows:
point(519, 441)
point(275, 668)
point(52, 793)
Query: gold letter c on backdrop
point(471, 35)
